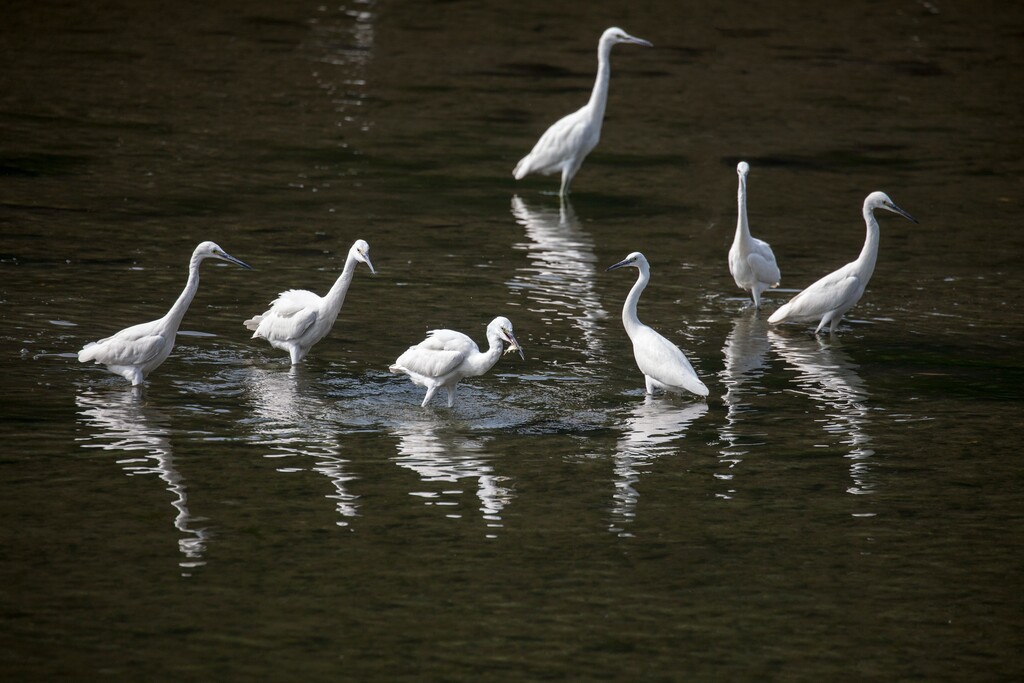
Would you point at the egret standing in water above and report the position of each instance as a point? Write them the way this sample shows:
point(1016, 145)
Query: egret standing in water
point(565, 145)
point(298, 319)
point(828, 299)
point(663, 364)
point(445, 357)
point(136, 351)
point(751, 260)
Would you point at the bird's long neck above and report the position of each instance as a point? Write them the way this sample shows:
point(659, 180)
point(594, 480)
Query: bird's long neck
point(629, 317)
point(869, 252)
point(742, 227)
point(174, 316)
point(485, 360)
point(336, 296)
point(599, 95)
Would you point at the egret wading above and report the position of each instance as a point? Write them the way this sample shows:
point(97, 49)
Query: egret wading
point(445, 357)
point(565, 145)
point(828, 299)
point(298, 319)
point(663, 364)
point(136, 351)
point(751, 260)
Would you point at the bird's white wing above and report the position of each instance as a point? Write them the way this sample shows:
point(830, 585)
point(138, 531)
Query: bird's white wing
point(134, 345)
point(558, 143)
point(437, 355)
point(659, 358)
point(762, 262)
point(290, 315)
point(837, 290)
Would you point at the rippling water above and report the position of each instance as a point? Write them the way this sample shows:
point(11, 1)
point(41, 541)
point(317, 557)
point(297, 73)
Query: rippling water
point(841, 507)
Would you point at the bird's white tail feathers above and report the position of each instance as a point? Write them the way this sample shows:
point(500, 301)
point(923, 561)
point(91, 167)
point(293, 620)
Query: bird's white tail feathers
point(253, 322)
point(781, 314)
point(397, 369)
point(87, 353)
point(522, 169)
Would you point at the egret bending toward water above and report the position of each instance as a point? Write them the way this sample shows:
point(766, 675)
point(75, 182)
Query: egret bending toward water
point(445, 357)
point(566, 143)
point(832, 296)
point(751, 260)
point(298, 319)
point(663, 364)
point(136, 351)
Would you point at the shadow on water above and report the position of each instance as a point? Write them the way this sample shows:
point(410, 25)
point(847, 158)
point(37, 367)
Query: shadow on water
point(121, 423)
point(828, 378)
point(652, 429)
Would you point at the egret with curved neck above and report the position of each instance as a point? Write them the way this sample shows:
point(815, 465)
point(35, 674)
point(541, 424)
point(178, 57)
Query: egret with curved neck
point(136, 351)
point(828, 299)
point(446, 357)
point(565, 145)
point(664, 366)
point(751, 260)
point(298, 319)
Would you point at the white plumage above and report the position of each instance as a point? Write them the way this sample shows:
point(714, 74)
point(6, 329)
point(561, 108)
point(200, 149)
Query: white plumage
point(828, 299)
point(751, 260)
point(136, 351)
point(298, 319)
point(565, 145)
point(445, 357)
point(664, 366)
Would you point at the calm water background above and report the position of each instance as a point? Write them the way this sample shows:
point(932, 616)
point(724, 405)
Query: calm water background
point(839, 509)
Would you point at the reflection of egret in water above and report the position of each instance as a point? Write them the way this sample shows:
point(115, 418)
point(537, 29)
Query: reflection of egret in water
point(122, 424)
point(450, 459)
point(652, 430)
point(560, 278)
point(828, 377)
point(745, 352)
point(292, 423)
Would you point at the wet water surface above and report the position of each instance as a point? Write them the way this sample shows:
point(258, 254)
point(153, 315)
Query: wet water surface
point(844, 507)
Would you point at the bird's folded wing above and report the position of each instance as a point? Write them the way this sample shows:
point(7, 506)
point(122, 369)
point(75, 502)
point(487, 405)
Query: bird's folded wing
point(430, 362)
point(827, 294)
point(766, 270)
point(125, 350)
point(292, 313)
point(659, 358)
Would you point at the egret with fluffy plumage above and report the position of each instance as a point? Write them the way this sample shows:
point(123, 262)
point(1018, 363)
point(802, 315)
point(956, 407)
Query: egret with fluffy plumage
point(751, 260)
point(565, 145)
point(664, 366)
point(828, 299)
point(136, 351)
point(446, 357)
point(297, 319)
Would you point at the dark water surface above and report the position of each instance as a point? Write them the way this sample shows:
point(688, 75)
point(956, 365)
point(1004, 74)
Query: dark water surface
point(845, 508)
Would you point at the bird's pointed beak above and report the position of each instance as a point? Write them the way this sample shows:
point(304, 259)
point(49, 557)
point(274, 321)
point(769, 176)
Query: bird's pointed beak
point(640, 41)
point(513, 345)
point(224, 256)
point(369, 265)
point(617, 265)
point(895, 209)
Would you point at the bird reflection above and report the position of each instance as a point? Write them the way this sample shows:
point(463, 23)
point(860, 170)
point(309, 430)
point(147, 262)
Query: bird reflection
point(828, 377)
point(562, 271)
point(652, 430)
point(290, 422)
point(745, 353)
point(121, 423)
point(450, 459)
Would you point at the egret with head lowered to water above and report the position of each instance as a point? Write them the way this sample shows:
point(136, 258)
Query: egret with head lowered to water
point(828, 299)
point(136, 351)
point(751, 260)
point(565, 145)
point(298, 319)
point(445, 357)
point(663, 364)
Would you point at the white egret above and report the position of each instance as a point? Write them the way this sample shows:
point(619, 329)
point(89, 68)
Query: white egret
point(136, 351)
point(663, 364)
point(445, 357)
point(828, 299)
point(298, 319)
point(565, 145)
point(751, 260)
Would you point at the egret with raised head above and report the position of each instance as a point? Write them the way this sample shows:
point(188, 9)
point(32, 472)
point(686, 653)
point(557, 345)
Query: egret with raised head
point(828, 299)
point(136, 351)
point(565, 145)
point(446, 357)
point(664, 366)
point(297, 319)
point(751, 260)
